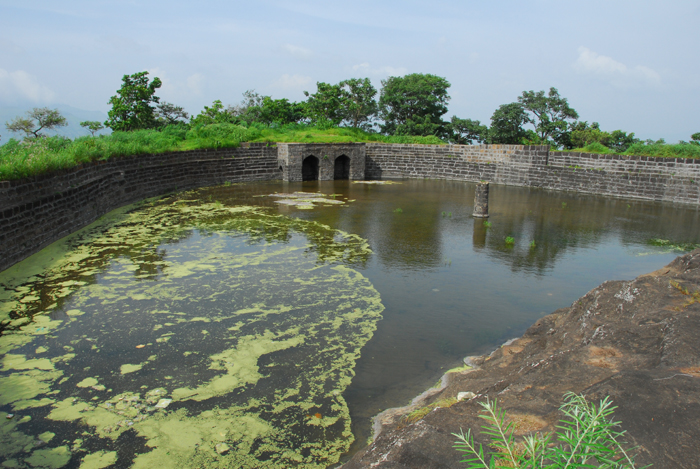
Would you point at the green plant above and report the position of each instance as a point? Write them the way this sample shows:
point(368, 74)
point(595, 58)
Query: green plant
point(532, 244)
point(563, 205)
point(418, 414)
point(510, 240)
point(487, 224)
point(398, 210)
point(587, 437)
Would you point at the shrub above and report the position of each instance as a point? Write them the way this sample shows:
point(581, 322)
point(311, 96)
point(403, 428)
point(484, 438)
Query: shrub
point(587, 437)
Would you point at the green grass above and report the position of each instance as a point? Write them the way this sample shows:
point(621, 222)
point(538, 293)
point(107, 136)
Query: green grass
point(34, 157)
point(663, 150)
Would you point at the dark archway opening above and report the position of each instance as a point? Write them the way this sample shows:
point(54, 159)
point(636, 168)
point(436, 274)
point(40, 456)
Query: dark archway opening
point(309, 169)
point(342, 168)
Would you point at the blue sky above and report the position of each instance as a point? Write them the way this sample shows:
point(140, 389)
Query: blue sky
point(628, 65)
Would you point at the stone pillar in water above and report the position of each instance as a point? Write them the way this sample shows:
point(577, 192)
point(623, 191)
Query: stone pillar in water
point(481, 200)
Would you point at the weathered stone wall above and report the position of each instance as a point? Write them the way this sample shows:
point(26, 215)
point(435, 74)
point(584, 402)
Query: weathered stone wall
point(38, 211)
point(291, 157)
point(41, 210)
point(662, 179)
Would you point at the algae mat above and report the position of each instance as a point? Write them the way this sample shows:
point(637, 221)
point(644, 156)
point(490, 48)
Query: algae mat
point(177, 333)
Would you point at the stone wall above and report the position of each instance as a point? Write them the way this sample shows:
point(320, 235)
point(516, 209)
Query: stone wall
point(36, 212)
point(661, 179)
point(292, 155)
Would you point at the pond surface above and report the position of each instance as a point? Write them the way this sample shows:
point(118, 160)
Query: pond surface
point(230, 326)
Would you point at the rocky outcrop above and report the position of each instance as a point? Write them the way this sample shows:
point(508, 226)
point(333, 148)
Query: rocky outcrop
point(635, 341)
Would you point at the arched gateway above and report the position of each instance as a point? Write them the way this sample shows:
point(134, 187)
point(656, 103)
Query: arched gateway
point(309, 169)
point(341, 168)
point(321, 161)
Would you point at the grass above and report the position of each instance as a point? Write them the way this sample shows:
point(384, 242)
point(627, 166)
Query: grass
point(586, 437)
point(663, 150)
point(34, 157)
point(510, 240)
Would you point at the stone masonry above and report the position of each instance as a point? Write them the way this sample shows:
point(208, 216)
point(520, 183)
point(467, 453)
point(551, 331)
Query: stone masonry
point(38, 211)
point(291, 156)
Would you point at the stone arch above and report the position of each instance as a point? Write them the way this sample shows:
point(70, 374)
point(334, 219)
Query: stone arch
point(309, 168)
point(341, 167)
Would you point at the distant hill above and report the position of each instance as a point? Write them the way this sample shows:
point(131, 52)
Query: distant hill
point(73, 115)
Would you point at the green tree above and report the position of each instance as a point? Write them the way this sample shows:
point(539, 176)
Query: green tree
point(694, 139)
point(414, 105)
point(131, 106)
point(281, 111)
point(326, 106)
point(169, 114)
point(507, 124)
point(467, 131)
point(216, 114)
point(92, 126)
point(552, 114)
point(359, 106)
point(38, 119)
point(250, 108)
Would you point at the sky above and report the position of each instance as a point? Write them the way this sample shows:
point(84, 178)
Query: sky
point(629, 65)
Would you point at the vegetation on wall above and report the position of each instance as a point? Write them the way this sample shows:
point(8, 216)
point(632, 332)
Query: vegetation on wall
point(409, 109)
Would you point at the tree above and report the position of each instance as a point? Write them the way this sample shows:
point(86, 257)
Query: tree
point(583, 134)
point(414, 105)
point(131, 106)
point(38, 119)
point(551, 114)
point(359, 104)
point(507, 124)
point(467, 131)
point(326, 105)
point(249, 109)
point(169, 114)
point(694, 139)
point(216, 114)
point(281, 111)
point(92, 126)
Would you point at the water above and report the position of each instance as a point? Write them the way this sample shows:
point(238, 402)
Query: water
point(230, 313)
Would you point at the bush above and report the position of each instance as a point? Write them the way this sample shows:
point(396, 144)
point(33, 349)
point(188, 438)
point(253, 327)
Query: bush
point(587, 437)
point(597, 147)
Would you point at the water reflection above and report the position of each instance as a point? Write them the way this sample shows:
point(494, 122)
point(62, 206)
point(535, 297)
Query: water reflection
point(453, 287)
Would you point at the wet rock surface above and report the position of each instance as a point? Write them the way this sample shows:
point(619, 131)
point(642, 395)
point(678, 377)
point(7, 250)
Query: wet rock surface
point(635, 341)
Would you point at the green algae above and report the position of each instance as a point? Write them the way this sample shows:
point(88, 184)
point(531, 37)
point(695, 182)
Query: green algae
point(286, 316)
point(129, 368)
point(52, 458)
point(99, 460)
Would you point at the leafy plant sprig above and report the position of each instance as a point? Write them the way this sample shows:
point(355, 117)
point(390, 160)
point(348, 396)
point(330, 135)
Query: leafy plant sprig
point(587, 437)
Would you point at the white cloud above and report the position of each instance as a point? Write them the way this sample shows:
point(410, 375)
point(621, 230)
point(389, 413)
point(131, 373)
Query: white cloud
point(20, 85)
point(194, 83)
point(298, 52)
point(618, 73)
point(381, 71)
point(292, 81)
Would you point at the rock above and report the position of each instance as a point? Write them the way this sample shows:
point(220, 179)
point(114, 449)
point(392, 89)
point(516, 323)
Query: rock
point(222, 448)
point(634, 341)
point(465, 395)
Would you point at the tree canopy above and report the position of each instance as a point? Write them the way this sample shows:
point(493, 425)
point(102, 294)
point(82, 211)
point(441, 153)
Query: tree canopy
point(38, 119)
point(467, 131)
point(131, 106)
point(551, 114)
point(414, 105)
point(169, 114)
point(507, 124)
point(92, 126)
